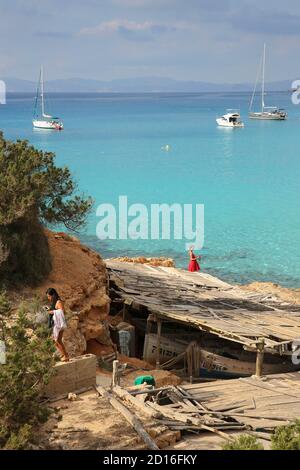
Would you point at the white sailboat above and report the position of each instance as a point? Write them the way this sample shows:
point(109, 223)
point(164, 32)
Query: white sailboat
point(43, 120)
point(269, 113)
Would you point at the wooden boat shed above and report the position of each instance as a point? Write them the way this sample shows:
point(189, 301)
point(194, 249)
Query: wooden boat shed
point(260, 323)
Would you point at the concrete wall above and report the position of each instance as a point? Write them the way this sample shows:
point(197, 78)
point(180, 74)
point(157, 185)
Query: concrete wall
point(72, 376)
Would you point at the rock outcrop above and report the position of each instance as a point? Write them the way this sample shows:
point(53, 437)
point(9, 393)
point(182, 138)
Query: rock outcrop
point(156, 262)
point(79, 275)
point(278, 293)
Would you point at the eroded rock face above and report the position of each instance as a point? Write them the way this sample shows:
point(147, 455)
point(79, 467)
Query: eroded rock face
point(80, 277)
point(74, 338)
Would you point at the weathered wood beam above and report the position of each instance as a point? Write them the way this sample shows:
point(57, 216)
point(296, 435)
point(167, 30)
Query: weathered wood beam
point(130, 417)
point(115, 374)
point(260, 358)
point(138, 404)
point(159, 327)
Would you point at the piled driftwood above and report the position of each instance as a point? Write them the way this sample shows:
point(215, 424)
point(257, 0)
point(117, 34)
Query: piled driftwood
point(259, 404)
point(177, 410)
point(248, 406)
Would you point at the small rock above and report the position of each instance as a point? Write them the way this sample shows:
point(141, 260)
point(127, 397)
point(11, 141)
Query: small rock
point(72, 397)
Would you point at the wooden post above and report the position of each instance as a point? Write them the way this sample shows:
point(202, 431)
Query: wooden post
point(127, 303)
point(260, 357)
point(149, 325)
point(115, 376)
point(159, 325)
point(124, 312)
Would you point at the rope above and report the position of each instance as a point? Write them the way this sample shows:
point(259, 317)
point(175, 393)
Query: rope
point(192, 358)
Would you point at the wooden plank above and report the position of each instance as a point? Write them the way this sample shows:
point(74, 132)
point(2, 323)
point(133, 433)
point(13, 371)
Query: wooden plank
point(132, 419)
point(139, 405)
point(265, 386)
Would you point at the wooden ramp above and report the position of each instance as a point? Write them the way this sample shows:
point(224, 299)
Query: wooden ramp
point(208, 304)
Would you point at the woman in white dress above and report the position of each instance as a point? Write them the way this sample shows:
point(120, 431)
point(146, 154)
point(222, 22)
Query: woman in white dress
point(59, 322)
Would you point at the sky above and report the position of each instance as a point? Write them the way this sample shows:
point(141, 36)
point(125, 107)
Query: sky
point(206, 40)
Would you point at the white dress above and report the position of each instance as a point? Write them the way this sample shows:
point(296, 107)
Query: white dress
point(59, 322)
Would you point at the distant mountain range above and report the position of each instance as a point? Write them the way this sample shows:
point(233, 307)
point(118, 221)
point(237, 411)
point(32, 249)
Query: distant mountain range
point(137, 85)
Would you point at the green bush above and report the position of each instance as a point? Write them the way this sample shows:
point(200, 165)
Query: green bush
point(29, 261)
point(287, 437)
point(4, 304)
point(28, 368)
point(5, 308)
point(244, 442)
point(34, 192)
point(20, 440)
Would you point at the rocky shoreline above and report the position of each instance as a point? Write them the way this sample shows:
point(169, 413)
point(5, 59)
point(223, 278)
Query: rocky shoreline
point(80, 276)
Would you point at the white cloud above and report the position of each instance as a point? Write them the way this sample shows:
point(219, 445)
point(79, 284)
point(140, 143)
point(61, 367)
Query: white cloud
point(131, 29)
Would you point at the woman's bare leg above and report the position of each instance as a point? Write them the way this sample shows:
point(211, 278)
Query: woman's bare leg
point(61, 346)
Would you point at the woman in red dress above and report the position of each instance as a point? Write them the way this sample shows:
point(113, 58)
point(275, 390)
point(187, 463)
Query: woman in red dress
point(194, 265)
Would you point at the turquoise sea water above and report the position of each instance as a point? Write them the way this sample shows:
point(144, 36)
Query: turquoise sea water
point(248, 179)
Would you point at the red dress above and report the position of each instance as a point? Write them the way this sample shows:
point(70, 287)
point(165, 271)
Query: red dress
point(194, 265)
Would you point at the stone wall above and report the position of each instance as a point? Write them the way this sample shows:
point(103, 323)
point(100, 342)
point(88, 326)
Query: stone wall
point(73, 376)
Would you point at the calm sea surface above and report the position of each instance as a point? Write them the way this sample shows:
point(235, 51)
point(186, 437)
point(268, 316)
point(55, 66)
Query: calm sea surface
point(248, 179)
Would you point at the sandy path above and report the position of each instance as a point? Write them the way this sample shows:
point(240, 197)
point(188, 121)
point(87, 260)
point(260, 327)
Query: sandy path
point(90, 423)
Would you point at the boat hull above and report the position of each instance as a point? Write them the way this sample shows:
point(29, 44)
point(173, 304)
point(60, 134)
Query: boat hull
point(212, 363)
point(55, 126)
point(222, 123)
point(268, 116)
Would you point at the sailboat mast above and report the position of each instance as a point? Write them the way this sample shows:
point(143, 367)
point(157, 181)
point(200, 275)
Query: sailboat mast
point(263, 81)
point(42, 90)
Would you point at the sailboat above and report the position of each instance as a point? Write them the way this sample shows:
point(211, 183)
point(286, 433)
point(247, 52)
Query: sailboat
point(266, 112)
point(43, 120)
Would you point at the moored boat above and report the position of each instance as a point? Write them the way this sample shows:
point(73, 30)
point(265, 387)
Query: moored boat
point(43, 120)
point(267, 113)
point(231, 119)
point(216, 359)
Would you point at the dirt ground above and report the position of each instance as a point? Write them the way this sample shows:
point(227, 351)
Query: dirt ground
point(89, 423)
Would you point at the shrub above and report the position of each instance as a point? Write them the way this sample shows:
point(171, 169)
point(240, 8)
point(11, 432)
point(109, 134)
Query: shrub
point(4, 313)
point(4, 304)
point(20, 440)
point(244, 442)
point(28, 368)
point(34, 192)
point(287, 437)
